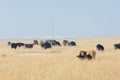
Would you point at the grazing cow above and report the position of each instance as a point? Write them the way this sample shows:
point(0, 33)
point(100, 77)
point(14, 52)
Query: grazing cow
point(87, 54)
point(54, 42)
point(100, 47)
point(35, 42)
point(89, 57)
point(58, 43)
point(20, 44)
point(29, 45)
point(65, 42)
point(14, 45)
point(45, 44)
point(92, 53)
point(82, 54)
point(116, 46)
point(72, 43)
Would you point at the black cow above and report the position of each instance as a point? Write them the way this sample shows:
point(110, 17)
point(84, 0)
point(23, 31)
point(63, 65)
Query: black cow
point(14, 45)
point(20, 44)
point(100, 47)
point(57, 43)
point(54, 42)
point(67, 43)
point(45, 45)
point(72, 43)
point(29, 45)
point(116, 46)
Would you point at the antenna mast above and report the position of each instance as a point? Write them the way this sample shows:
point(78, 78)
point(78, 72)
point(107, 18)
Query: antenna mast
point(53, 32)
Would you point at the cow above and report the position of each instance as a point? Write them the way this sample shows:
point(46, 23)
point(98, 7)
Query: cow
point(14, 45)
point(82, 54)
point(35, 42)
point(87, 54)
point(65, 42)
point(116, 46)
point(92, 53)
point(72, 43)
point(29, 45)
point(45, 44)
point(19, 44)
point(58, 43)
point(100, 47)
point(89, 57)
point(54, 42)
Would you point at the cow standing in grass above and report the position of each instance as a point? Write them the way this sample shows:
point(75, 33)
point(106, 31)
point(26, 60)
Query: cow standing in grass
point(35, 42)
point(116, 46)
point(45, 44)
point(100, 47)
point(15, 45)
point(91, 54)
point(82, 54)
point(54, 42)
point(72, 43)
point(67, 43)
point(29, 46)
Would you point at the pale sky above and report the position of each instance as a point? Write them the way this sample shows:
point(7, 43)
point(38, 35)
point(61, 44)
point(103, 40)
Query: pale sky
point(32, 19)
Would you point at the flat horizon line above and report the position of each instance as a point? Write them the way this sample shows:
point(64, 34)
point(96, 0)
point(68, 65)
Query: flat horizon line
point(45, 38)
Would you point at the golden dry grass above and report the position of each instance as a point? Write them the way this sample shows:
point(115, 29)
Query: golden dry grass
point(60, 63)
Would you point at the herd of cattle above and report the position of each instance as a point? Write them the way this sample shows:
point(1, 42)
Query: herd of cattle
point(49, 43)
point(43, 43)
point(91, 54)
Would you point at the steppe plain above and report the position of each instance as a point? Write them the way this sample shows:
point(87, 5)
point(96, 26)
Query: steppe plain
point(60, 63)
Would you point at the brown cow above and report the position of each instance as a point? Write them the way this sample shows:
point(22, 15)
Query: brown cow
point(91, 53)
point(87, 54)
point(36, 42)
point(82, 54)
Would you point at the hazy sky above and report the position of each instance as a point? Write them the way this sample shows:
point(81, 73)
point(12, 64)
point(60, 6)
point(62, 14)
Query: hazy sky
point(34, 19)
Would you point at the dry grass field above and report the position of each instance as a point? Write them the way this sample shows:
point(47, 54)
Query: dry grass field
point(60, 63)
